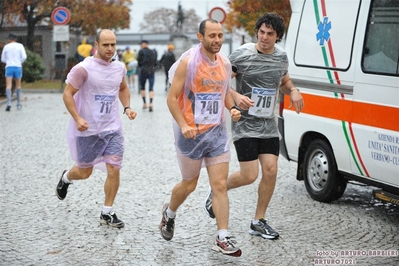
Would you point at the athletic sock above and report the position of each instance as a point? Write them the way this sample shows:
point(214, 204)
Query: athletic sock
point(18, 91)
point(170, 213)
point(8, 93)
point(222, 234)
point(144, 100)
point(65, 177)
point(106, 209)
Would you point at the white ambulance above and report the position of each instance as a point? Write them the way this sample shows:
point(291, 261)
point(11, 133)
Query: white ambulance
point(344, 58)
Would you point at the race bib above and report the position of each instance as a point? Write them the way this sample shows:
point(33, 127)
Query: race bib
point(264, 100)
point(208, 108)
point(103, 107)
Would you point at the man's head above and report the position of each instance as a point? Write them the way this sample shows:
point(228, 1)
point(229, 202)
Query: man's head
point(171, 47)
point(210, 34)
point(127, 48)
point(269, 30)
point(272, 21)
point(12, 37)
point(144, 44)
point(105, 44)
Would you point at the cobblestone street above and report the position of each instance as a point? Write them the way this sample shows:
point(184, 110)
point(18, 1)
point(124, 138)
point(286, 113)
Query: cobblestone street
point(39, 229)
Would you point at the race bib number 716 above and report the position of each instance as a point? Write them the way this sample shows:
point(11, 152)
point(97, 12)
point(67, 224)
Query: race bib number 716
point(264, 100)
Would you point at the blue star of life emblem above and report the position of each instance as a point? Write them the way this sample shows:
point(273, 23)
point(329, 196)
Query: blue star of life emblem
point(323, 34)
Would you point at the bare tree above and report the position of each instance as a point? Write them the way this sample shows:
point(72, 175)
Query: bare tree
point(163, 20)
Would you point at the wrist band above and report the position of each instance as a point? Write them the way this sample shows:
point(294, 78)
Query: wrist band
point(235, 107)
point(124, 110)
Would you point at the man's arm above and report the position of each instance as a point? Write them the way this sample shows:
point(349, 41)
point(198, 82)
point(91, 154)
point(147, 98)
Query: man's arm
point(124, 97)
point(174, 93)
point(70, 104)
point(288, 88)
point(243, 102)
point(229, 104)
point(23, 55)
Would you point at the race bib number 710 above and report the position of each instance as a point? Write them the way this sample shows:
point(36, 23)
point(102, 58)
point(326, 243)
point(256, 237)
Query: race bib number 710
point(264, 100)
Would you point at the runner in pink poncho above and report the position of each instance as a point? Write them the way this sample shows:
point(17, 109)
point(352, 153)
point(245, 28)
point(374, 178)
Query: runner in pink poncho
point(197, 99)
point(95, 130)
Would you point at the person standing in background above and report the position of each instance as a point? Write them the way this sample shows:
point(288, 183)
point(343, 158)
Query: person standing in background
point(13, 56)
point(128, 57)
point(147, 61)
point(167, 60)
point(84, 50)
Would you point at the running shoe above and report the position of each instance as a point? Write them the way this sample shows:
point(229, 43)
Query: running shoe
point(62, 187)
point(8, 108)
point(167, 225)
point(226, 246)
point(263, 229)
point(208, 205)
point(111, 219)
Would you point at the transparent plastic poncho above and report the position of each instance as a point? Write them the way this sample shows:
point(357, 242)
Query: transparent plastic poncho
point(96, 101)
point(202, 102)
point(259, 78)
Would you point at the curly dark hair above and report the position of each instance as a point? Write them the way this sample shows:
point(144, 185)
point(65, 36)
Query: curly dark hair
point(273, 20)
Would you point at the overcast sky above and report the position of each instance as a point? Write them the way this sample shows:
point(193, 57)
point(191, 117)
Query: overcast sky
point(139, 7)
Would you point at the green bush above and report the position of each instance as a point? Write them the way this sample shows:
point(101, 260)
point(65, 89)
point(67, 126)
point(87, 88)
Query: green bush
point(33, 68)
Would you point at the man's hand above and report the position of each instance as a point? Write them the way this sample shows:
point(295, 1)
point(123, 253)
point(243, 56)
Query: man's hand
point(296, 100)
point(131, 114)
point(243, 102)
point(188, 132)
point(81, 124)
point(235, 114)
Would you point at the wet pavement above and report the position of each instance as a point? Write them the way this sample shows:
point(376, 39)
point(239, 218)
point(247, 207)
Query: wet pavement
point(39, 229)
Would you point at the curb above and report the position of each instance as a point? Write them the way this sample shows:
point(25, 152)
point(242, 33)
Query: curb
point(13, 97)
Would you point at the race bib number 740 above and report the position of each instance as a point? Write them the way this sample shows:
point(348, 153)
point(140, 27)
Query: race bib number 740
point(264, 101)
point(208, 108)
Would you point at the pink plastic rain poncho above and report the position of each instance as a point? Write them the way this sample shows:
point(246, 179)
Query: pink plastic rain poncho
point(96, 101)
point(202, 102)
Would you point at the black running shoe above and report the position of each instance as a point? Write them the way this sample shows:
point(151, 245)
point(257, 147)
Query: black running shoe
point(226, 246)
point(167, 225)
point(263, 229)
point(111, 220)
point(8, 108)
point(208, 205)
point(62, 187)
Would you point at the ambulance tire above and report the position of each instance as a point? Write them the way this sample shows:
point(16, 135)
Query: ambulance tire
point(322, 180)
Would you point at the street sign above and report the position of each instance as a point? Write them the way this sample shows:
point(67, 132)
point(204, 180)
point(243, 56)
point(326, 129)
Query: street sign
point(218, 14)
point(60, 16)
point(60, 33)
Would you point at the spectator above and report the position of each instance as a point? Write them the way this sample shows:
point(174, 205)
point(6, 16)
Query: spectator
point(167, 60)
point(13, 56)
point(84, 50)
point(128, 57)
point(147, 60)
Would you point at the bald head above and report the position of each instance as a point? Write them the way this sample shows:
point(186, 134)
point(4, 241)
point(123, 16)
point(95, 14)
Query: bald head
point(104, 32)
point(105, 44)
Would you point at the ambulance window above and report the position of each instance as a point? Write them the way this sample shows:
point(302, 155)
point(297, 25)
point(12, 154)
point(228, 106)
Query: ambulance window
point(381, 49)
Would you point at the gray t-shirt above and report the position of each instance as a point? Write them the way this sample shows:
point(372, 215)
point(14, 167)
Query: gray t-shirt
point(258, 70)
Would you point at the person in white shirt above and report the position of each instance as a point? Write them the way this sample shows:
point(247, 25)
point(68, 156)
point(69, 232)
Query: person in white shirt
point(13, 56)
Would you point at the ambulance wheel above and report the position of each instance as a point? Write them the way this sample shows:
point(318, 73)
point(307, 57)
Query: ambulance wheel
point(322, 180)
